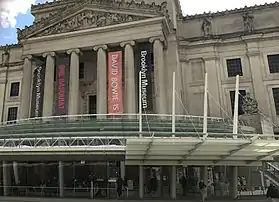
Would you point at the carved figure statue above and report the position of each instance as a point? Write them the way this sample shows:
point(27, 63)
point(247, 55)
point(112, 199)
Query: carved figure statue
point(250, 105)
point(248, 21)
point(206, 26)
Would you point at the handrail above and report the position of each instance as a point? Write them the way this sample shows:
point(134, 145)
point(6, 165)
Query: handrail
point(127, 116)
point(273, 166)
point(124, 134)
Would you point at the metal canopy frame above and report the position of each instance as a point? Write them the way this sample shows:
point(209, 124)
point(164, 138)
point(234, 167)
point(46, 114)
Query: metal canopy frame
point(62, 144)
point(208, 151)
point(239, 149)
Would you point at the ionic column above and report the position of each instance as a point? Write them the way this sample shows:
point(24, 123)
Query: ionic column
point(130, 85)
point(159, 78)
point(101, 79)
point(74, 82)
point(48, 88)
point(26, 88)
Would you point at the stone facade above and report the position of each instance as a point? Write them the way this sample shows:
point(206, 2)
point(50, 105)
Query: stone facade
point(187, 45)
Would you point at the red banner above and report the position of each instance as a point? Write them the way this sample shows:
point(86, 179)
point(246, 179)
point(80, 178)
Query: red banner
point(115, 101)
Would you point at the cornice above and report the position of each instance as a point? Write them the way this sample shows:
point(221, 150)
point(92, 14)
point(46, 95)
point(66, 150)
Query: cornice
point(111, 3)
point(233, 11)
point(13, 64)
point(7, 46)
point(234, 38)
point(237, 36)
point(14, 69)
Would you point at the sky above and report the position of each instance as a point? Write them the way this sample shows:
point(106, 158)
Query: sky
point(16, 13)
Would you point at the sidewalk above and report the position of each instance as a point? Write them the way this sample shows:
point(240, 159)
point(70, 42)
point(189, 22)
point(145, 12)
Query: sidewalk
point(21, 199)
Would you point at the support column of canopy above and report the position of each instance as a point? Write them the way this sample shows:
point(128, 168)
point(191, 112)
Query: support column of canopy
point(159, 81)
point(25, 101)
point(141, 182)
point(233, 182)
point(122, 169)
point(101, 79)
point(214, 100)
point(173, 182)
point(48, 88)
point(6, 178)
point(204, 174)
point(61, 179)
point(74, 82)
point(130, 84)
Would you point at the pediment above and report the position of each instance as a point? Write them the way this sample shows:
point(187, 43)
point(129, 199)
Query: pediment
point(91, 14)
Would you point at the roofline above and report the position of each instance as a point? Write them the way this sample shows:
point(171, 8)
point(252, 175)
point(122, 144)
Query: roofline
point(16, 45)
point(233, 11)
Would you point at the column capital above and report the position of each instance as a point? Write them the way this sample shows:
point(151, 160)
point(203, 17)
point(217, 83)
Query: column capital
point(210, 58)
point(253, 53)
point(124, 43)
point(96, 48)
point(29, 57)
point(52, 54)
point(75, 50)
point(159, 38)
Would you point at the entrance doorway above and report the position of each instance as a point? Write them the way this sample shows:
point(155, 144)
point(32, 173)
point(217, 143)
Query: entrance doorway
point(157, 182)
point(92, 105)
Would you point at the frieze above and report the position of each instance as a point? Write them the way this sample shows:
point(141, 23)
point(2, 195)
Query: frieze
point(89, 19)
point(100, 4)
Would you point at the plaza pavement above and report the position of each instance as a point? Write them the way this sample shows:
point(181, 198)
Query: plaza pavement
point(25, 199)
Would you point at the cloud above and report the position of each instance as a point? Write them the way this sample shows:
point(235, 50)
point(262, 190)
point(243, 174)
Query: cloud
point(9, 9)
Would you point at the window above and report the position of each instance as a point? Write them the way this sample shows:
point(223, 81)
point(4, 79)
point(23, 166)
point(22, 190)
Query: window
point(276, 99)
point(242, 94)
point(12, 114)
point(273, 63)
point(81, 70)
point(234, 67)
point(14, 89)
point(92, 105)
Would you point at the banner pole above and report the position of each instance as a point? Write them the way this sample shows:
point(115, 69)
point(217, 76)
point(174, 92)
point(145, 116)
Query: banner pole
point(205, 104)
point(173, 104)
point(235, 114)
point(140, 107)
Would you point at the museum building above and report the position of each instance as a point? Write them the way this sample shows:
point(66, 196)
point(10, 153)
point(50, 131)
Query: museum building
point(91, 60)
